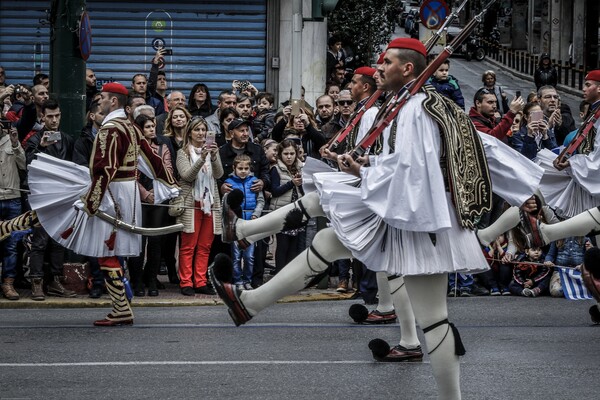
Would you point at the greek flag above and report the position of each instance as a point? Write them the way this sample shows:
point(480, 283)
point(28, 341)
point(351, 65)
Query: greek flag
point(572, 284)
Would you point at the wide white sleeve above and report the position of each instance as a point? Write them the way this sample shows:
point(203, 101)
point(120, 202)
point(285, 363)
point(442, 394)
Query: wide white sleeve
point(406, 188)
point(366, 122)
point(584, 168)
point(162, 192)
point(515, 178)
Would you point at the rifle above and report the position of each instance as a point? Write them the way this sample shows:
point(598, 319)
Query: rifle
point(579, 138)
point(414, 86)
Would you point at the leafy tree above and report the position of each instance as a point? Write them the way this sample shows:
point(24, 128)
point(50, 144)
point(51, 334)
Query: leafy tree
point(364, 25)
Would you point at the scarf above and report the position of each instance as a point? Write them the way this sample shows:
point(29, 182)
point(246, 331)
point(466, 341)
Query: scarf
point(203, 188)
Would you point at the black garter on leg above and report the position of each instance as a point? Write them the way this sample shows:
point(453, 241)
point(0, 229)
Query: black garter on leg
point(459, 348)
point(317, 275)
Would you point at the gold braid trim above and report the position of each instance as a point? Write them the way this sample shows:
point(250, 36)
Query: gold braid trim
point(467, 170)
point(587, 145)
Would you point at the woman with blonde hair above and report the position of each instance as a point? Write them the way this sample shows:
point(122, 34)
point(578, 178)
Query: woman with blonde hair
point(199, 166)
point(488, 78)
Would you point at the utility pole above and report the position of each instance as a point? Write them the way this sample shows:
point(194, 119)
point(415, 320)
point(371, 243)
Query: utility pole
point(67, 68)
point(297, 24)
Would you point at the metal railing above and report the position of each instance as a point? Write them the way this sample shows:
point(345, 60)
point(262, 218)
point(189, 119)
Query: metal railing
point(569, 74)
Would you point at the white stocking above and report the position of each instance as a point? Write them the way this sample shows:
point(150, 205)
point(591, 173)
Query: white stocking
point(273, 222)
point(508, 220)
point(579, 225)
point(385, 304)
point(428, 298)
point(298, 273)
point(404, 311)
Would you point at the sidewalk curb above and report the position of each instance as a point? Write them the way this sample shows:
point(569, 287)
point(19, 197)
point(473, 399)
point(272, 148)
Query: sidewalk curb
point(197, 301)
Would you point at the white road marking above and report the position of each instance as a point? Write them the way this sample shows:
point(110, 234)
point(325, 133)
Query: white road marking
point(154, 363)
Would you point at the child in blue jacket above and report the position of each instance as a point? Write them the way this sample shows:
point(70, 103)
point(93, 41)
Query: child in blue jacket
point(447, 85)
point(242, 179)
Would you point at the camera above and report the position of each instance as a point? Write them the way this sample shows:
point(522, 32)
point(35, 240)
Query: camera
point(53, 136)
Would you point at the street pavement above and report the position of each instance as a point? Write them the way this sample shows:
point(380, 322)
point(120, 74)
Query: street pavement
point(541, 348)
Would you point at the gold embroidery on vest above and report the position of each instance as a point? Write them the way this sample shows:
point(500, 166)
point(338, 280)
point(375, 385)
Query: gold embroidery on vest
point(96, 195)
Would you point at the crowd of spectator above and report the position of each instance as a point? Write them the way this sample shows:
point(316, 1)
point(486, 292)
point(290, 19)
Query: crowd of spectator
point(245, 140)
point(540, 122)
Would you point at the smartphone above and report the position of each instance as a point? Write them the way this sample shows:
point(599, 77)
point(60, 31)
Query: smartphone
point(168, 52)
point(536, 115)
point(295, 107)
point(53, 136)
point(518, 94)
point(210, 138)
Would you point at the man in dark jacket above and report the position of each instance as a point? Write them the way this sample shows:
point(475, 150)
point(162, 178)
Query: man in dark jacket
point(82, 152)
point(49, 140)
point(240, 144)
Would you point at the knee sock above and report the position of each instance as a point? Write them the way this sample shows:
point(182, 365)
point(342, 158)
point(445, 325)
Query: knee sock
point(121, 309)
point(385, 303)
point(579, 225)
point(22, 222)
point(508, 220)
point(427, 294)
point(404, 311)
point(273, 222)
point(298, 273)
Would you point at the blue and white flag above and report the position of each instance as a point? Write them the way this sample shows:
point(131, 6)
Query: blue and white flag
point(572, 284)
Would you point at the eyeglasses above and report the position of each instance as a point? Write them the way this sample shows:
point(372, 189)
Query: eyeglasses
point(345, 102)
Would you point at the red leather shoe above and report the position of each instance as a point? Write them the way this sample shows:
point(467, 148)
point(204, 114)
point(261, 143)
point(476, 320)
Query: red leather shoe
point(230, 294)
point(376, 317)
point(112, 322)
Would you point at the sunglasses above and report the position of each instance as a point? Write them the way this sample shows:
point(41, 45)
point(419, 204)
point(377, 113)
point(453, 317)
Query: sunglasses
point(345, 102)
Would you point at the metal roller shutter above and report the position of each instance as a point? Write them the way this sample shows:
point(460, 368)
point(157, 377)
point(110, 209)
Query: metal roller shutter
point(213, 42)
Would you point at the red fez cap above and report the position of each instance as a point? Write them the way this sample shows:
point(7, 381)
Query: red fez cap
point(410, 44)
point(115, 87)
point(593, 75)
point(380, 59)
point(368, 71)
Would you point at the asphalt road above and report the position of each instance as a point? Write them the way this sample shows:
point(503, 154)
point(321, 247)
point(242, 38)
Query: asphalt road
point(539, 348)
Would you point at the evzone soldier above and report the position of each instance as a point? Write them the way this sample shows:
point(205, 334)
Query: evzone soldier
point(407, 218)
point(57, 186)
point(571, 186)
point(391, 290)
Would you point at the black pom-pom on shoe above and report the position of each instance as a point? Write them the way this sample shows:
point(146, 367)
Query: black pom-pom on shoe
point(235, 198)
point(380, 348)
point(591, 259)
point(595, 314)
point(293, 220)
point(358, 313)
point(223, 268)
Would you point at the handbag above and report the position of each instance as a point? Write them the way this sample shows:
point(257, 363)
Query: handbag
point(177, 205)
